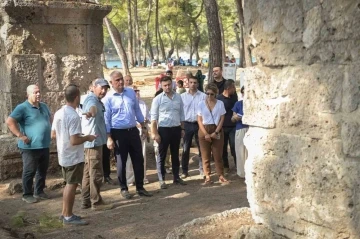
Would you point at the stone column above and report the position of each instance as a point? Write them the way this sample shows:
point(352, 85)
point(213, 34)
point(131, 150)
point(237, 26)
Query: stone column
point(49, 43)
point(302, 103)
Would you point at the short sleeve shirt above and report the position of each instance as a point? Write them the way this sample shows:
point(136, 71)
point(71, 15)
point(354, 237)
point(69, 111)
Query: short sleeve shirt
point(34, 122)
point(67, 123)
point(238, 109)
point(212, 117)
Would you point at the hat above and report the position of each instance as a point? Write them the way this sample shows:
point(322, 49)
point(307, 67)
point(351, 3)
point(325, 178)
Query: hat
point(169, 71)
point(101, 82)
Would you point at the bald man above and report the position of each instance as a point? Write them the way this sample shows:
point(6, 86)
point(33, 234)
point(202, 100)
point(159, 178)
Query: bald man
point(30, 122)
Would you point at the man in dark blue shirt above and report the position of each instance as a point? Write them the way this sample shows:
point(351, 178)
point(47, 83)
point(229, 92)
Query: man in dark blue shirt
point(241, 129)
point(227, 97)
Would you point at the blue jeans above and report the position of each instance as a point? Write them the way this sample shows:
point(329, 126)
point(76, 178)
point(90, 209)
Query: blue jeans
point(191, 130)
point(35, 163)
point(229, 137)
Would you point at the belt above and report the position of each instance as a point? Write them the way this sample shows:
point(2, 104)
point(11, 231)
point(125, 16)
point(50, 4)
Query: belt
point(189, 122)
point(129, 129)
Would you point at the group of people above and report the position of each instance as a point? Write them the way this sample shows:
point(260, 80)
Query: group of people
point(114, 118)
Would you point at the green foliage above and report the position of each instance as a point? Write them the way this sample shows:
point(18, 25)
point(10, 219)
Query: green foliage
point(174, 19)
point(47, 222)
point(18, 220)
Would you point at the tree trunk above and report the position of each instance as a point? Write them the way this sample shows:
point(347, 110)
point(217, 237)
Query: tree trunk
point(116, 39)
point(147, 38)
point(103, 60)
point(223, 52)
point(196, 40)
point(157, 28)
point(130, 34)
point(214, 33)
point(172, 46)
point(162, 47)
point(245, 55)
point(137, 34)
point(238, 43)
point(151, 53)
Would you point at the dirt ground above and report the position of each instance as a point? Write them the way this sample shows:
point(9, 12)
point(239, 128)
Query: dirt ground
point(139, 217)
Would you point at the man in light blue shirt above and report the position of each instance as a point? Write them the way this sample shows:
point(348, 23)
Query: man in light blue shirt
point(121, 113)
point(93, 123)
point(167, 128)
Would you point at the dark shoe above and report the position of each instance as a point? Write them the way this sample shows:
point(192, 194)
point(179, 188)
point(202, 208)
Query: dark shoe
point(163, 185)
point(184, 175)
point(180, 181)
point(102, 206)
point(61, 217)
point(29, 199)
point(108, 180)
point(85, 205)
point(74, 220)
point(143, 192)
point(42, 196)
point(126, 194)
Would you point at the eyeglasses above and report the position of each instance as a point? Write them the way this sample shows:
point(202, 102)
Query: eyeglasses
point(207, 93)
point(137, 91)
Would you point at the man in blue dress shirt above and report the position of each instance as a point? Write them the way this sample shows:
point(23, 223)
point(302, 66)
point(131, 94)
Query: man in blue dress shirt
point(121, 113)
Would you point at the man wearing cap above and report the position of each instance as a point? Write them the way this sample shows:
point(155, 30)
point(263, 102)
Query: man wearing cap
point(121, 113)
point(93, 123)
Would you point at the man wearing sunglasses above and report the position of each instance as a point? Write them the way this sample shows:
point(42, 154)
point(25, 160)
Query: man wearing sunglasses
point(122, 112)
point(94, 124)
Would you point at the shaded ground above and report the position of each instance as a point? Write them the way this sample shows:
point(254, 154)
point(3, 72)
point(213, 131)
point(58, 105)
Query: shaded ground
point(138, 218)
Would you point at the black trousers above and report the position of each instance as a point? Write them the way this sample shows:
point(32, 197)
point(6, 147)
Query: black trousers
point(191, 130)
point(170, 136)
point(127, 141)
point(106, 161)
point(229, 137)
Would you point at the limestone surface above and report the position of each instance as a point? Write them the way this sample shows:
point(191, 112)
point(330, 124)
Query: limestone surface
point(302, 105)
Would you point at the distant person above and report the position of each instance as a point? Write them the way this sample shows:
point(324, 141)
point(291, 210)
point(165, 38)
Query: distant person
point(227, 59)
point(93, 123)
point(180, 87)
point(211, 137)
point(219, 80)
point(66, 129)
point(121, 113)
point(233, 60)
point(191, 100)
point(206, 64)
point(170, 74)
point(30, 122)
point(200, 77)
point(228, 126)
point(241, 129)
point(188, 75)
point(128, 81)
point(199, 63)
point(167, 128)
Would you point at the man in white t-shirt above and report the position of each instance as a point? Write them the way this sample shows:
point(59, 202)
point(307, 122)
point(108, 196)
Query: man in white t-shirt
point(66, 129)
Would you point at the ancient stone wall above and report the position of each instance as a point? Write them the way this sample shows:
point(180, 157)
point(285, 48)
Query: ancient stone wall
point(302, 102)
point(49, 43)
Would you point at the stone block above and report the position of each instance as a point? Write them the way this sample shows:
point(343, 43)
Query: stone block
point(54, 100)
point(15, 186)
point(25, 70)
point(76, 39)
point(256, 232)
point(316, 178)
point(350, 135)
point(94, 39)
point(351, 89)
point(313, 24)
point(50, 65)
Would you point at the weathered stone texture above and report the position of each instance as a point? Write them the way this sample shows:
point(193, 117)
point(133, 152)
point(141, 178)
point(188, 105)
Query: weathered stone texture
point(302, 103)
point(49, 43)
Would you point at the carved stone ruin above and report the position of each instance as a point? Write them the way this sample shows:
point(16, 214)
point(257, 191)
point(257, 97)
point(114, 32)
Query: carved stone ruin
point(49, 43)
point(302, 102)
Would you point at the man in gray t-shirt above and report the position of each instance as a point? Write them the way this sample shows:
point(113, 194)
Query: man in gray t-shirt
point(93, 123)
